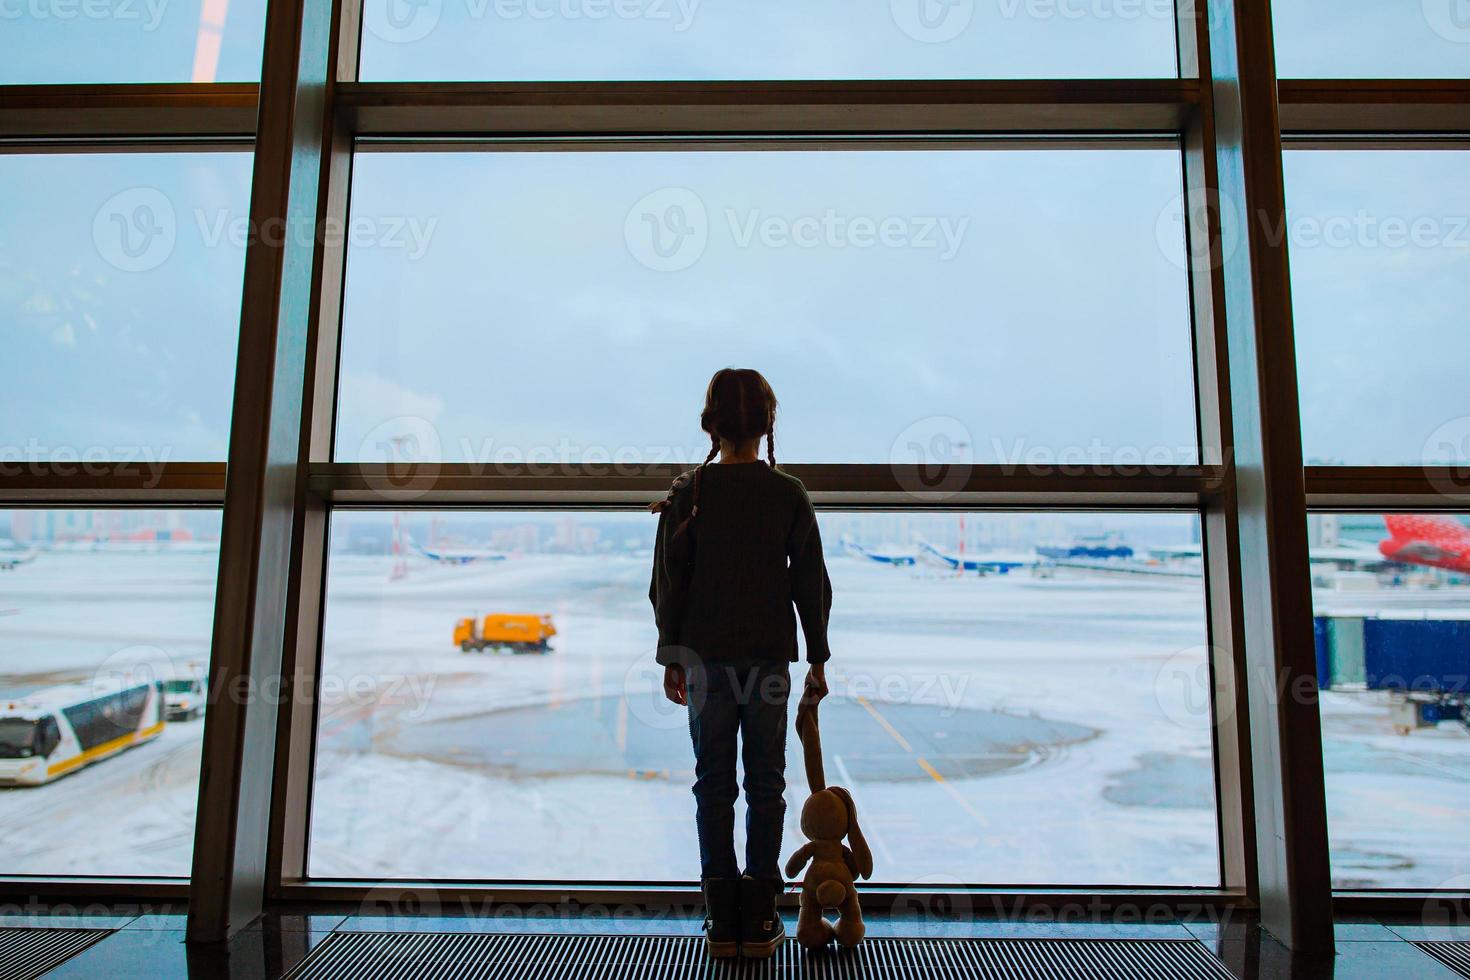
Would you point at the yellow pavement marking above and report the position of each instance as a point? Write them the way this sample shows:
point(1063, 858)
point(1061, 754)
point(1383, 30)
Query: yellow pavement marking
point(923, 763)
point(884, 722)
point(954, 793)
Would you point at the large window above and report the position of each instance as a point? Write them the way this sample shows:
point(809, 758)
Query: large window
point(972, 237)
point(1380, 256)
point(1392, 596)
point(554, 40)
point(105, 622)
point(1032, 305)
point(120, 280)
point(1064, 675)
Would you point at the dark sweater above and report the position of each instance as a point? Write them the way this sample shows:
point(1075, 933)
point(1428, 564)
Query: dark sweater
point(724, 590)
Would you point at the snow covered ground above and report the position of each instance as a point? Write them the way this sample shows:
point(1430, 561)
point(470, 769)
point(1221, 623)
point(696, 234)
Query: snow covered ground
point(1006, 729)
point(68, 617)
point(1003, 730)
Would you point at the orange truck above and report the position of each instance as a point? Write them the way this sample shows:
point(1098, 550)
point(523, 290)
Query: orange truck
point(516, 632)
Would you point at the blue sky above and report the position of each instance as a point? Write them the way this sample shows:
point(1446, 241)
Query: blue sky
point(159, 40)
point(502, 303)
point(1049, 316)
point(499, 300)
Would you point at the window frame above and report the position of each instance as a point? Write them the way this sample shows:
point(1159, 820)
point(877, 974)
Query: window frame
point(305, 117)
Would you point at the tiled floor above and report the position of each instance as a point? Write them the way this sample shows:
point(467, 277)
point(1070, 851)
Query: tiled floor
point(152, 944)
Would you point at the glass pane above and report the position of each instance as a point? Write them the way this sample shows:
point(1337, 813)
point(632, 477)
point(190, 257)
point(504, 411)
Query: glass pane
point(1372, 38)
point(120, 278)
point(1026, 306)
point(647, 40)
point(1380, 258)
point(1392, 597)
point(1064, 677)
point(105, 620)
point(102, 41)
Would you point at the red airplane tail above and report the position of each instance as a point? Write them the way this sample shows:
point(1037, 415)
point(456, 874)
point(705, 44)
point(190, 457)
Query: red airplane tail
point(1435, 540)
point(1435, 528)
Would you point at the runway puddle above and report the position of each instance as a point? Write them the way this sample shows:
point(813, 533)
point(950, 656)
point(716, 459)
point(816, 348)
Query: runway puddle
point(1162, 779)
point(873, 742)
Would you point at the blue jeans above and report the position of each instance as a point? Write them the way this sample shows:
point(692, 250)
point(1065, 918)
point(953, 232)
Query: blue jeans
point(749, 700)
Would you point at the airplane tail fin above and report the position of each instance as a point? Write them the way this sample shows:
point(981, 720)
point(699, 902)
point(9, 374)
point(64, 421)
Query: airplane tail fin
point(1428, 527)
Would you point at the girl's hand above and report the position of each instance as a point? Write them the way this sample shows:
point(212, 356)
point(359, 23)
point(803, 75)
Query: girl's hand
point(674, 687)
point(816, 684)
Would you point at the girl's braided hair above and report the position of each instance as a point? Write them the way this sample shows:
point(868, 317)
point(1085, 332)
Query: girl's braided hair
point(739, 406)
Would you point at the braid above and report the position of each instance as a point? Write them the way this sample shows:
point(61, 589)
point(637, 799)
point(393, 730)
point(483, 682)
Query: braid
point(714, 450)
point(771, 446)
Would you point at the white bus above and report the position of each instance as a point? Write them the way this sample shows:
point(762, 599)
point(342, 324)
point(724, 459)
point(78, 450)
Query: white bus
point(52, 732)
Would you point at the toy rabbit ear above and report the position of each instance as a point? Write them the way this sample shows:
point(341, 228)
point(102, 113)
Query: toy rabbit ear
point(811, 745)
point(860, 851)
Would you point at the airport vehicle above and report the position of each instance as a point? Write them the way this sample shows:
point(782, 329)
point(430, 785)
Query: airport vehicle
point(58, 730)
point(516, 632)
point(184, 693)
point(1420, 662)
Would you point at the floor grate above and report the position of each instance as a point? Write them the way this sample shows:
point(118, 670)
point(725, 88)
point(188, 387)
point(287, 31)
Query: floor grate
point(27, 953)
point(1455, 955)
point(369, 955)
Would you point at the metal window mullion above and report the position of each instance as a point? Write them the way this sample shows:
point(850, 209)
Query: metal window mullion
point(264, 520)
point(127, 484)
point(1275, 605)
point(96, 112)
point(1220, 530)
point(301, 658)
point(769, 108)
point(1375, 107)
point(375, 487)
point(1388, 488)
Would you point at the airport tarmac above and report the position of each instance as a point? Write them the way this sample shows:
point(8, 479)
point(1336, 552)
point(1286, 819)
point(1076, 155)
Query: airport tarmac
point(1005, 730)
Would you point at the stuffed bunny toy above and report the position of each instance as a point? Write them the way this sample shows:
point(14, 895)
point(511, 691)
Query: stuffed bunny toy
point(827, 817)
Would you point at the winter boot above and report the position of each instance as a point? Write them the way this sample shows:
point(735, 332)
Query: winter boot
point(722, 916)
point(761, 930)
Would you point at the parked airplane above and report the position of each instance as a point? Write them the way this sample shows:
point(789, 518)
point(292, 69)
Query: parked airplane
point(999, 563)
point(458, 556)
point(1427, 540)
point(900, 558)
point(1434, 540)
point(13, 555)
point(1353, 557)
